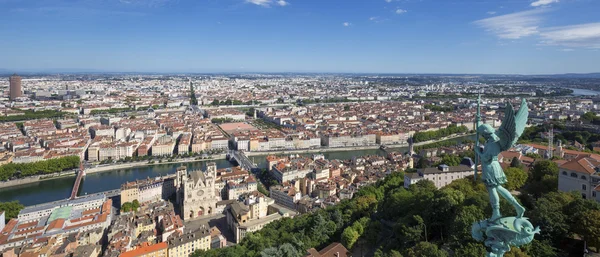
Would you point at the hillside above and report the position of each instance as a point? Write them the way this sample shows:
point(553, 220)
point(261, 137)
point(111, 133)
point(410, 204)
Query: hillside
point(388, 220)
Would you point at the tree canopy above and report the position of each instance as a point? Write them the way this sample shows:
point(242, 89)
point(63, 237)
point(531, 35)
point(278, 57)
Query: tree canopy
point(20, 170)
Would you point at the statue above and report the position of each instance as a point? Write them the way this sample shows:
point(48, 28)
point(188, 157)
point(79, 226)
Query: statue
point(501, 232)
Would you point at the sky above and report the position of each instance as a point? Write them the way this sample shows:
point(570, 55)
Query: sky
point(361, 36)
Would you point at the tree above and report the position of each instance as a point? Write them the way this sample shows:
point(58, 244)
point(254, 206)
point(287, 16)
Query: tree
point(470, 250)
point(516, 252)
point(11, 209)
point(426, 249)
point(460, 228)
point(516, 163)
point(135, 204)
point(193, 100)
point(450, 160)
point(544, 178)
point(126, 207)
point(346, 107)
point(589, 227)
point(517, 177)
point(349, 237)
point(541, 249)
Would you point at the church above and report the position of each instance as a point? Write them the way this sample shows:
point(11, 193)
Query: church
point(196, 192)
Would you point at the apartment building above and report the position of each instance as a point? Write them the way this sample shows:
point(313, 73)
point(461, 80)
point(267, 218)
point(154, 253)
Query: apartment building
point(440, 176)
point(581, 175)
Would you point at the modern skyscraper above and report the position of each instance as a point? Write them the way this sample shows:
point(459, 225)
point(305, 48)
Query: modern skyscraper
point(15, 87)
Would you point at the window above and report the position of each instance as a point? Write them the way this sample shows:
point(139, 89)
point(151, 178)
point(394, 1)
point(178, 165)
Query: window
point(583, 177)
point(564, 173)
point(573, 174)
point(594, 194)
point(583, 195)
point(583, 187)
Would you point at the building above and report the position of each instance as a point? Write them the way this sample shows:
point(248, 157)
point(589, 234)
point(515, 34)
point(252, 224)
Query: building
point(581, 175)
point(2, 220)
point(156, 250)
point(163, 146)
point(148, 190)
point(40, 222)
point(87, 251)
point(255, 212)
point(286, 170)
point(217, 239)
point(286, 196)
point(440, 176)
point(182, 245)
point(15, 87)
point(332, 250)
point(196, 191)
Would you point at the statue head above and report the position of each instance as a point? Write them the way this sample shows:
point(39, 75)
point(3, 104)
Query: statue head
point(487, 132)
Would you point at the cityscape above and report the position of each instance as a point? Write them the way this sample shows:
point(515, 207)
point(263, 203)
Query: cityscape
point(276, 128)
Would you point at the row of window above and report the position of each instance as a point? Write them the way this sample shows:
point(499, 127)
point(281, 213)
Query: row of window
point(574, 175)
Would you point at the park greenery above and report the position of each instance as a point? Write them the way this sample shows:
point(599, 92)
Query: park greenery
point(438, 134)
point(230, 102)
point(221, 120)
point(438, 108)
point(130, 206)
point(386, 219)
point(11, 209)
point(586, 138)
point(193, 99)
point(112, 111)
point(33, 115)
point(21, 170)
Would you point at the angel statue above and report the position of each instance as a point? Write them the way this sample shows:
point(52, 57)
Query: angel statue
point(498, 141)
point(500, 233)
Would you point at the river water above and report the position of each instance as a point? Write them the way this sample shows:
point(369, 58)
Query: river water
point(584, 92)
point(57, 189)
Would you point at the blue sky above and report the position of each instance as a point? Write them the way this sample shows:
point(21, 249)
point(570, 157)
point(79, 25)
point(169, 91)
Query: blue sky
point(376, 36)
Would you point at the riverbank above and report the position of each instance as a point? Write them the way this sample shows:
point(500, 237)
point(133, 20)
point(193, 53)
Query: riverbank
point(145, 164)
point(64, 174)
point(35, 179)
point(354, 148)
point(109, 168)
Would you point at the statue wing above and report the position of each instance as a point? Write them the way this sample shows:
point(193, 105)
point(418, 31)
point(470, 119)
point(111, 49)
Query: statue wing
point(512, 126)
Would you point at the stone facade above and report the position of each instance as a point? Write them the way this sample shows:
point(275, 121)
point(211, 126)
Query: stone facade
point(196, 191)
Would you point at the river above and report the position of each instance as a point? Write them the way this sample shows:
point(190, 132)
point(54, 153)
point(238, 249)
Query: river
point(57, 189)
point(584, 92)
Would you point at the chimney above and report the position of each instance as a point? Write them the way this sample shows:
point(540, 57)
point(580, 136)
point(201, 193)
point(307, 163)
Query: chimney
point(337, 254)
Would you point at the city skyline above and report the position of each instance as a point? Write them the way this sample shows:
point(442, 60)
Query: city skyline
point(382, 36)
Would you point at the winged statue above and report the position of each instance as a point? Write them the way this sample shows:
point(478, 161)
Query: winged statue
point(500, 233)
point(497, 141)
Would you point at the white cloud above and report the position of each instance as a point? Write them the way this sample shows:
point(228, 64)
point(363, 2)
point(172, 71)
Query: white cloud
point(514, 25)
point(259, 2)
point(491, 13)
point(575, 36)
point(543, 2)
point(568, 50)
point(400, 11)
point(389, 1)
point(267, 3)
point(373, 18)
point(346, 24)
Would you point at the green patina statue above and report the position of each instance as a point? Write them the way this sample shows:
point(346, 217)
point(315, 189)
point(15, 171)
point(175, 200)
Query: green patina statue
point(500, 233)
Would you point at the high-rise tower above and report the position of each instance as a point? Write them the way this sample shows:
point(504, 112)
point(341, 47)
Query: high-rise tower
point(15, 87)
